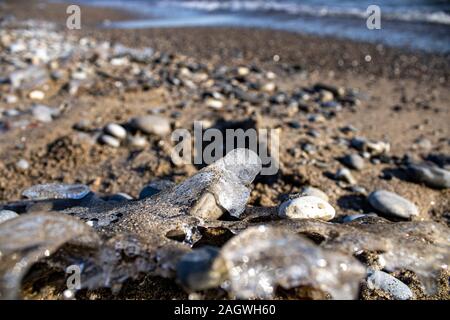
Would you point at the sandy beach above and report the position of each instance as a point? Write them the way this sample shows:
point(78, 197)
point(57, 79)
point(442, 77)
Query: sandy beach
point(322, 94)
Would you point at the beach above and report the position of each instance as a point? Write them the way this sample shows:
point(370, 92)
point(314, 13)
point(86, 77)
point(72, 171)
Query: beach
point(324, 95)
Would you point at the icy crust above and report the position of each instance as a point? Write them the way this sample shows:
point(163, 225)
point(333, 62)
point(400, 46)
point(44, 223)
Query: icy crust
point(26, 240)
point(262, 258)
point(56, 191)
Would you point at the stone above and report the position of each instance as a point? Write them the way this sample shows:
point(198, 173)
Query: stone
point(6, 215)
point(345, 175)
point(109, 140)
point(306, 207)
point(392, 204)
point(116, 130)
point(43, 113)
point(37, 95)
point(22, 165)
point(194, 269)
point(56, 191)
point(311, 191)
point(137, 141)
point(214, 103)
point(384, 281)
point(152, 124)
point(354, 161)
point(430, 175)
point(155, 187)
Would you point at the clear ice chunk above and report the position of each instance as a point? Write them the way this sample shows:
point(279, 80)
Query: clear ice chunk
point(262, 258)
point(56, 191)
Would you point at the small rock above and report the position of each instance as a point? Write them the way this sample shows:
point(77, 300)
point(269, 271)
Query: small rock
point(194, 269)
point(345, 175)
point(137, 141)
point(22, 165)
point(109, 140)
point(383, 281)
point(155, 187)
point(307, 207)
point(432, 176)
point(37, 95)
point(43, 113)
point(354, 217)
point(214, 104)
point(6, 215)
point(354, 161)
point(116, 130)
point(152, 124)
point(315, 192)
point(392, 204)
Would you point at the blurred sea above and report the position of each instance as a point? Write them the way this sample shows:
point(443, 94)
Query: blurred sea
point(417, 24)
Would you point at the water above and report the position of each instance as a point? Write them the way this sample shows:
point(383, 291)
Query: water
point(418, 24)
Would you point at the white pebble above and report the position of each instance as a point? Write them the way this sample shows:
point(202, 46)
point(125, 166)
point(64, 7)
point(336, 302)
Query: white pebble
point(308, 207)
point(116, 130)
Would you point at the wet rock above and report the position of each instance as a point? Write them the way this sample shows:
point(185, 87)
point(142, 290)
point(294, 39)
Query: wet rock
point(431, 176)
point(116, 130)
point(307, 207)
point(384, 281)
point(152, 124)
point(282, 258)
point(56, 191)
point(194, 269)
point(109, 140)
point(392, 204)
point(354, 161)
point(7, 215)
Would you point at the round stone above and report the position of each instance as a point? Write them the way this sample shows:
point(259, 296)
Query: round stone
point(116, 130)
point(354, 161)
point(432, 176)
point(383, 281)
point(22, 165)
point(315, 192)
point(392, 204)
point(152, 124)
point(308, 207)
point(109, 140)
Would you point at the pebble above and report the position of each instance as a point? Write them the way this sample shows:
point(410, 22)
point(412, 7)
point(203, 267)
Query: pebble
point(354, 161)
point(37, 95)
point(7, 215)
point(116, 130)
point(214, 104)
point(383, 281)
point(109, 140)
point(392, 204)
point(431, 176)
point(56, 191)
point(354, 217)
point(194, 269)
point(137, 141)
point(43, 113)
point(345, 175)
point(152, 124)
point(306, 207)
point(154, 188)
point(315, 192)
point(22, 164)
